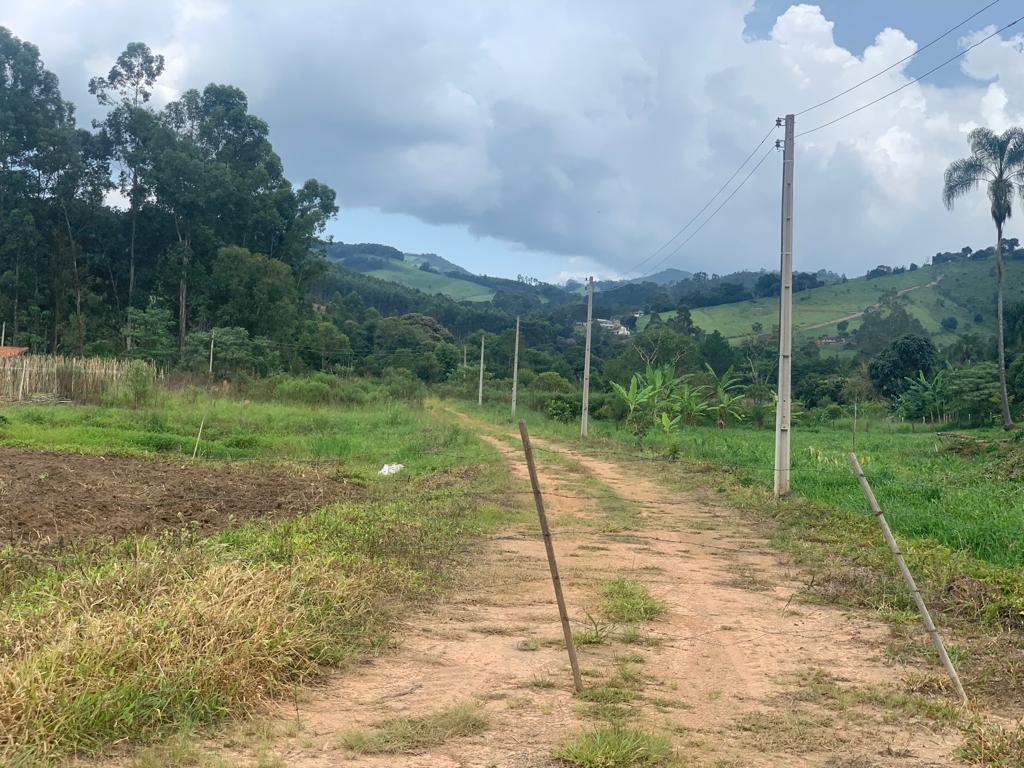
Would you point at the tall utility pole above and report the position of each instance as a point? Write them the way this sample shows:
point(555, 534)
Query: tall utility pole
point(783, 408)
point(515, 370)
point(585, 416)
point(480, 391)
point(213, 332)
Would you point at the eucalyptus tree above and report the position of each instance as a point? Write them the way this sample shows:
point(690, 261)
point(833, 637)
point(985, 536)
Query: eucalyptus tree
point(997, 162)
point(129, 125)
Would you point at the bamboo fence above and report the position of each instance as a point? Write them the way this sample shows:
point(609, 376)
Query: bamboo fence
point(61, 378)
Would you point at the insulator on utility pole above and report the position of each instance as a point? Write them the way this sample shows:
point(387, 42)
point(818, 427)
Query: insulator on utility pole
point(585, 415)
point(783, 409)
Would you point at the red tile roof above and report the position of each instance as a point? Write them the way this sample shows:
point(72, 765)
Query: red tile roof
point(12, 351)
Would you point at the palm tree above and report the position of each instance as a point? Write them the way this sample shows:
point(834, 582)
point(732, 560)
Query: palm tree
point(997, 161)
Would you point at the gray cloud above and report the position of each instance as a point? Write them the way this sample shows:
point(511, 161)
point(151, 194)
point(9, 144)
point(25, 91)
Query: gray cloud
point(578, 128)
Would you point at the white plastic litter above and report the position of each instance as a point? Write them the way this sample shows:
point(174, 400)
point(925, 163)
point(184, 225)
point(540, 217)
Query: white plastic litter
point(391, 469)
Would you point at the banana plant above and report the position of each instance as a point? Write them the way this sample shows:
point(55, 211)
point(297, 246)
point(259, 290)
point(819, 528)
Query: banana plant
point(669, 424)
point(635, 398)
point(725, 402)
point(689, 402)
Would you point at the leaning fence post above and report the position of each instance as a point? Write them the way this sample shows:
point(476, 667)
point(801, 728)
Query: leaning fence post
point(199, 436)
point(538, 498)
point(908, 577)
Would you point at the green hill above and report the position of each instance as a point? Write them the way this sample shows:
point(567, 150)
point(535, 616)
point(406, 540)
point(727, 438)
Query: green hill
point(963, 290)
point(409, 274)
point(425, 272)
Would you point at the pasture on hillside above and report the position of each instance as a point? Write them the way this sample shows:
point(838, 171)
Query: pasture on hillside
point(960, 290)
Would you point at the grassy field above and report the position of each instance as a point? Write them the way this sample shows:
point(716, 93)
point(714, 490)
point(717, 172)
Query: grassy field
point(407, 273)
point(363, 438)
point(948, 290)
point(134, 639)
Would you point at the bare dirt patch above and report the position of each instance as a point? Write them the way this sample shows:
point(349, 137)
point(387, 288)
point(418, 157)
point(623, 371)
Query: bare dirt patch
point(51, 498)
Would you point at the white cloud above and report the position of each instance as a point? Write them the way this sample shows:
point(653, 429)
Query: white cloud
point(593, 129)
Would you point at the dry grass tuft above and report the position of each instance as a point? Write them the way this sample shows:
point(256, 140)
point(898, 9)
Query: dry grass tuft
point(408, 735)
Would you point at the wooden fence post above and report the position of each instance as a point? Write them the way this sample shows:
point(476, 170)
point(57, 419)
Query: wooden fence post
point(538, 498)
point(908, 577)
point(199, 436)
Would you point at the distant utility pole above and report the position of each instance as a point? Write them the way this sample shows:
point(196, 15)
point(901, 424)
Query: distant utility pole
point(213, 332)
point(480, 391)
point(783, 410)
point(464, 362)
point(3, 335)
point(585, 416)
point(515, 370)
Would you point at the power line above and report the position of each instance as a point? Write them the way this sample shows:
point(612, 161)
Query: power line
point(712, 199)
point(715, 212)
point(896, 64)
point(912, 82)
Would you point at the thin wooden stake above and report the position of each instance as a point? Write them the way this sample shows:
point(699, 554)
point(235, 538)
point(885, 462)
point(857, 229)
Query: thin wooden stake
point(198, 436)
point(908, 577)
point(538, 498)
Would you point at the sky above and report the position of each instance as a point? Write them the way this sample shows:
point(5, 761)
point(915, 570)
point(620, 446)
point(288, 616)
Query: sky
point(560, 138)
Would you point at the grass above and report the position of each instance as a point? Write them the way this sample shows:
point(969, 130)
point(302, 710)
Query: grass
point(362, 438)
point(408, 735)
point(794, 732)
point(148, 636)
point(626, 600)
point(616, 746)
point(410, 275)
point(992, 745)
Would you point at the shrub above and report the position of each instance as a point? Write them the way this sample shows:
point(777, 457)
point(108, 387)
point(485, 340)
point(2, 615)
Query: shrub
point(563, 408)
point(138, 382)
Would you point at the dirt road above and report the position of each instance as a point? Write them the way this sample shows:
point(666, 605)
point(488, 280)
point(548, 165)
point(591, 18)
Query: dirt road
point(740, 671)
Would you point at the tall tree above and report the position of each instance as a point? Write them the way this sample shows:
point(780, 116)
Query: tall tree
point(127, 89)
point(997, 162)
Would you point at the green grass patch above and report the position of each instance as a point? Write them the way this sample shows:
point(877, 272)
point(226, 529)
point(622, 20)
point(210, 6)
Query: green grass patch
point(408, 735)
point(626, 600)
point(606, 695)
point(616, 746)
point(361, 438)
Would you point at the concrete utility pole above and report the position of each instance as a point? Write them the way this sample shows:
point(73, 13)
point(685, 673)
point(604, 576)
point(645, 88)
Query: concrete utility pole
point(213, 332)
point(3, 335)
point(480, 391)
point(515, 370)
point(784, 406)
point(585, 416)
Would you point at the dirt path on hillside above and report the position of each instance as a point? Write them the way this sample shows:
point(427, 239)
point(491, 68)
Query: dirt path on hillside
point(855, 315)
point(738, 672)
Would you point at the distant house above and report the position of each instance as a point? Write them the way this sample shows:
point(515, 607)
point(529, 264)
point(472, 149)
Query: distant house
point(13, 351)
point(831, 341)
point(613, 326)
